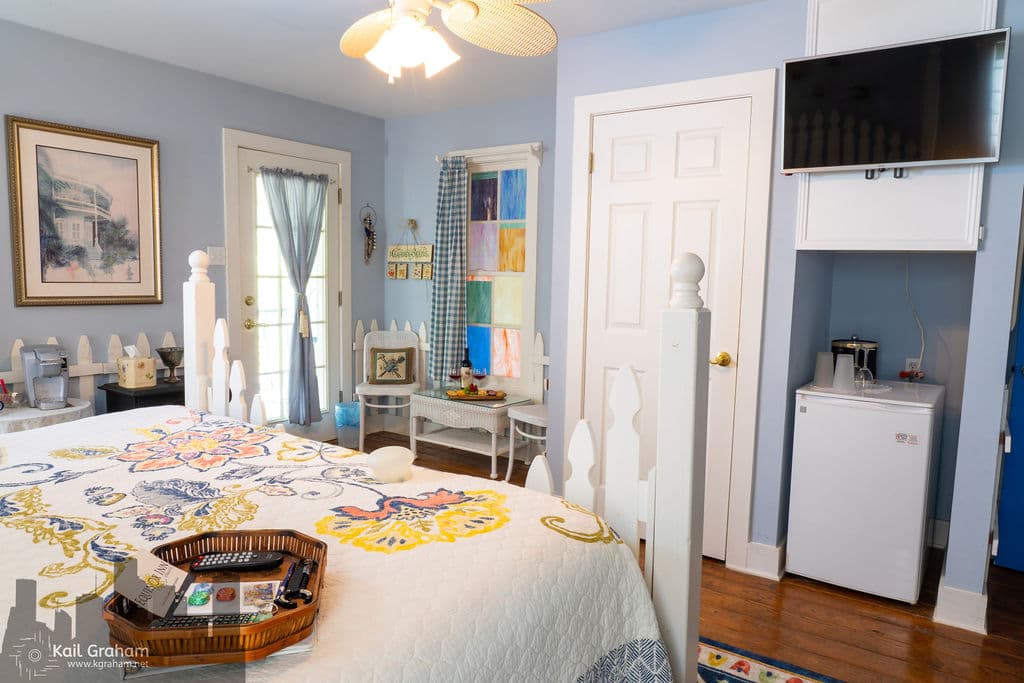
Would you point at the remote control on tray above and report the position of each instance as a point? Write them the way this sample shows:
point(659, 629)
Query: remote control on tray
point(199, 620)
point(243, 561)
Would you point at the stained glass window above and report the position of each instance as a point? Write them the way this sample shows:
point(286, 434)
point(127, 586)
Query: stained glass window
point(496, 263)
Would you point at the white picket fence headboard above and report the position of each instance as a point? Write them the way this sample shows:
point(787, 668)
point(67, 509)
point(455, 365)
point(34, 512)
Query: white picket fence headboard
point(88, 370)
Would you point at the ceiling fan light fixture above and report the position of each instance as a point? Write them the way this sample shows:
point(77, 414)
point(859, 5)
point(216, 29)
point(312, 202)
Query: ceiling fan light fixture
point(408, 43)
point(437, 54)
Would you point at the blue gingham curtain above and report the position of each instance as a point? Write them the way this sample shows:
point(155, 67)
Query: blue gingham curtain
point(448, 306)
point(297, 203)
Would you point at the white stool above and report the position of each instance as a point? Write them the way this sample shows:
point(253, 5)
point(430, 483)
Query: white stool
point(535, 415)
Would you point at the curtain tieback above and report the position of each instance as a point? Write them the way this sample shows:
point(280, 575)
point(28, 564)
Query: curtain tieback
point(300, 302)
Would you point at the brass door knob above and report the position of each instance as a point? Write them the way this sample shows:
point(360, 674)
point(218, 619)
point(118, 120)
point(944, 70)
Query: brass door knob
point(249, 324)
point(723, 359)
point(250, 300)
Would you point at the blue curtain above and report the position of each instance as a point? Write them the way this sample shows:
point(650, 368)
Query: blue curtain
point(448, 305)
point(297, 203)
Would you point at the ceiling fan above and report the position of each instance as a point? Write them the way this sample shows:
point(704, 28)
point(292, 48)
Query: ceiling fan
point(399, 37)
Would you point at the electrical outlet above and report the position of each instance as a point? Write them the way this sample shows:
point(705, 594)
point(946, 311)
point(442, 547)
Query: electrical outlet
point(912, 365)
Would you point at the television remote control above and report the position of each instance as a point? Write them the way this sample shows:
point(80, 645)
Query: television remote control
point(242, 561)
point(199, 620)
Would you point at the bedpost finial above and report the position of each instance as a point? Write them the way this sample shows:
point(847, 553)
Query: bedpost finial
point(199, 261)
point(687, 271)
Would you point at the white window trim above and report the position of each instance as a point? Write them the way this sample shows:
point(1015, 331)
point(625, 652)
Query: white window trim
point(528, 156)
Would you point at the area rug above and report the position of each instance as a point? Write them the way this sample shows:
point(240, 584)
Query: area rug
point(721, 663)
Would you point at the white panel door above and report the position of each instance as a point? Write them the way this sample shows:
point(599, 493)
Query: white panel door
point(666, 181)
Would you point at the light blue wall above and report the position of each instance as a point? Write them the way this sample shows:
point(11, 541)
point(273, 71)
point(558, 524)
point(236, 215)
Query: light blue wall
point(57, 79)
point(967, 555)
point(747, 38)
point(869, 300)
point(411, 173)
point(812, 301)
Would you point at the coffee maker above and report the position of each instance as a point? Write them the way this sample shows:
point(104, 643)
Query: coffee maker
point(46, 376)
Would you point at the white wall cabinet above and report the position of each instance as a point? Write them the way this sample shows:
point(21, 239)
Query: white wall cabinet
point(936, 208)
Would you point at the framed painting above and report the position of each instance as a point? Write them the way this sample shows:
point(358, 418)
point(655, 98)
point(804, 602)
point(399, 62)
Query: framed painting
point(85, 215)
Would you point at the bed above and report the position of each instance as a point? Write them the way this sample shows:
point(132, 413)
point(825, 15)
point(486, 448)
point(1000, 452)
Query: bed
point(440, 578)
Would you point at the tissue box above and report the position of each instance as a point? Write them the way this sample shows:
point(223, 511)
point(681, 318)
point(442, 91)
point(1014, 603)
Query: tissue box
point(136, 373)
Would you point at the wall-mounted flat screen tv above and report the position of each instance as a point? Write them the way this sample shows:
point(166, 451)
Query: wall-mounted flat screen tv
point(917, 104)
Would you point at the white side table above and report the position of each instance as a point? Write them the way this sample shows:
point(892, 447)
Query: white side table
point(463, 420)
point(22, 419)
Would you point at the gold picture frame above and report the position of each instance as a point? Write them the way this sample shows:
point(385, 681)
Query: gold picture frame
point(85, 215)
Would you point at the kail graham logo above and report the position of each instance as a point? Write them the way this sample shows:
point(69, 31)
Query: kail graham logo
point(33, 651)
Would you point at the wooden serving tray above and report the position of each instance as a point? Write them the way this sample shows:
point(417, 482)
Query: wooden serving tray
point(454, 395)
point(129, 625)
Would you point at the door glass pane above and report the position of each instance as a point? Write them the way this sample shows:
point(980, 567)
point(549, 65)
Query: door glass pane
point(275, 306)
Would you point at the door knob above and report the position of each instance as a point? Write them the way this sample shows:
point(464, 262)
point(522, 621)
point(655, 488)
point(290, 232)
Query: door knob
point(250, 300)
point(249, 324)
point(723, 359)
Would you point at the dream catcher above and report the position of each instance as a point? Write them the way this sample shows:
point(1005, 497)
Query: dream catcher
point(368, 217)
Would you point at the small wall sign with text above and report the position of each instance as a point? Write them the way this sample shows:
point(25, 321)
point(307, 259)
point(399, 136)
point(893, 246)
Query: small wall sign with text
point(411, 253)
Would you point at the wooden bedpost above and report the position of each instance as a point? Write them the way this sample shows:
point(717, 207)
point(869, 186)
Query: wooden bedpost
point(682, 443)
point(199, 304)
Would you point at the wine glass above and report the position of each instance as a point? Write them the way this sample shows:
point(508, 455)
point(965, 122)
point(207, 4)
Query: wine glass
point(479, 375)
point(455, 375)
point(863, 379)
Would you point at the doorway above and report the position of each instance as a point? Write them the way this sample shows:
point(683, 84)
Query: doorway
point(260, 295)
point(683, 167)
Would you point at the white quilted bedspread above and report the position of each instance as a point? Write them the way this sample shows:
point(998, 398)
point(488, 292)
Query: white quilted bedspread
point(440, 578)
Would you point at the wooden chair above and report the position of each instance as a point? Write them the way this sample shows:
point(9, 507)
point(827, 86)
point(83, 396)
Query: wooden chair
point(385, 339)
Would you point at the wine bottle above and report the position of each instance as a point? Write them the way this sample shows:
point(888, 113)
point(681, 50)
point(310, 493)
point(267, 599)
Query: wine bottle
point(466, 370)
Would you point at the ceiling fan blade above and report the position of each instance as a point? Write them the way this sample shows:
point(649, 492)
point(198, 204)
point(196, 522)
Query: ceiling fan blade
point(364, 34)
point(506, 28)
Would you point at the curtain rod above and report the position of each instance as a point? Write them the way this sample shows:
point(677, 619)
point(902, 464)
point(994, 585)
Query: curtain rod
point(330, 181)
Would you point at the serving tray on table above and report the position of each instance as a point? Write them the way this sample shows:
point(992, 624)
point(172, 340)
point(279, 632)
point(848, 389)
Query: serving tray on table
point(454, 395)
point(129, 625)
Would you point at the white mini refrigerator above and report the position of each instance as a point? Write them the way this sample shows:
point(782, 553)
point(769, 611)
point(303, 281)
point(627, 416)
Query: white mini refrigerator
point(862, 481)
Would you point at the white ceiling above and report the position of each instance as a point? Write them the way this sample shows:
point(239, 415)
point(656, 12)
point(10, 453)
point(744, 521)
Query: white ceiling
point(292, 46)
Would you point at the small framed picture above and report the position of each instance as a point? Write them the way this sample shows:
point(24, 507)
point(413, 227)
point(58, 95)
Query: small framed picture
point(428, 271)
point(392, 271)
point(417, 271)
point(402, 271)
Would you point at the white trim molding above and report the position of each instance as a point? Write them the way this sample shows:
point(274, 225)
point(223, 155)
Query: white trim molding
point(960, 608)
point(766, 561)
point(759, 86)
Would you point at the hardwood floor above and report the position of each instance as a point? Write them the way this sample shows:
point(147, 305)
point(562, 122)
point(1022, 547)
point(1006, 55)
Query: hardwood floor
point(850, 636)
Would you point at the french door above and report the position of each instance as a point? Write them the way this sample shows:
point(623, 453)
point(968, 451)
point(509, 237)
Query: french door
point(262, 333)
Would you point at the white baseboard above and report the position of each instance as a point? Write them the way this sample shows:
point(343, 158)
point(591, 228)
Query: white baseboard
point(766, 561)
point(940, 533)
point(960, 608)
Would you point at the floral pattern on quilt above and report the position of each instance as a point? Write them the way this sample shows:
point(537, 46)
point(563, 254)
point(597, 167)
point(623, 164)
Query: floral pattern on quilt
point(588, 527)
point(203, 447)
point(88, 544)
point(403, 522)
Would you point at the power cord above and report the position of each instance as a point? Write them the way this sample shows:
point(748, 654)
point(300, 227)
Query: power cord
point(919, 373)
